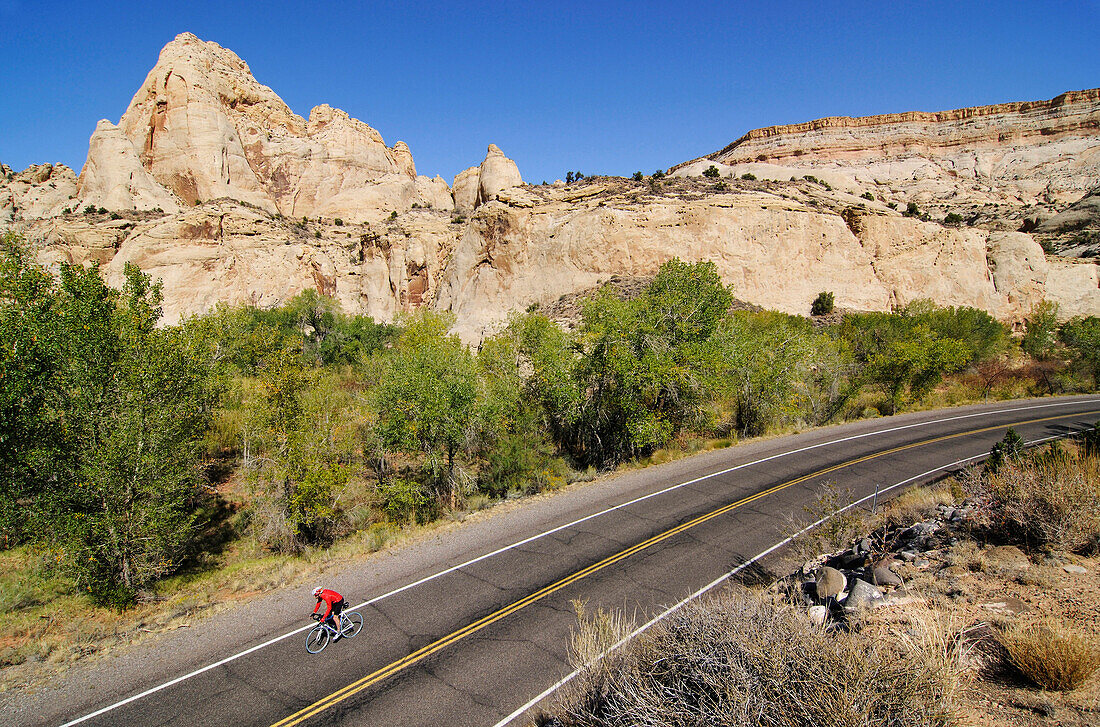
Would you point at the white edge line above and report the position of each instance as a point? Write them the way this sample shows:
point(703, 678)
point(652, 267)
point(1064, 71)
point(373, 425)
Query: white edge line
point(718, 581)
point(498, 551)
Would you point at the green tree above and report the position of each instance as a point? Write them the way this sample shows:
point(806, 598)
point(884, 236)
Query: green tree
point(765, 357)
point(1041, 338)
point(1082, 337)
point(305, 439)
point(646, 366)
point(427, 398)
point(136, 406)
point(711, 172)
point(30, 431)
point(902, 354)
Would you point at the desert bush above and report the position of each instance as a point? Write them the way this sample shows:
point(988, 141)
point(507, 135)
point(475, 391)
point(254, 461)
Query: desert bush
point(749, 177)
point(868, 196)
point(911, 210)
point(638, 176)
point(823, 304)
point(1051, 655)
point(952, 218)
point(837, 531)
point(1048, 500)
point(1011, 447)
point(735, 660)
point(711, 172)
point(404, 501)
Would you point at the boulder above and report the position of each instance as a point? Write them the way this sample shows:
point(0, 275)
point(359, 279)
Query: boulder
point(818, 615)
point(830, 583)
point(861, 595)
point(883, 576)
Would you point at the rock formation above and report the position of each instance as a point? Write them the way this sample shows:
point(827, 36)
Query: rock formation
point(1027, 158)
point(113, 177)
point(204, 128)
point(212, 184)
point(40, 190)
point(496, 174)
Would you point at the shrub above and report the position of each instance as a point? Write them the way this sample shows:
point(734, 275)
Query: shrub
point(952, 218)
point(893, 205)
point(404, 501)
point(102, 210)
point(569, 177)
point(819, 182)
point(89, 210)
point(116, 216)
point(458, 219)
point(911, 210)
point(711, 172)
point(1048, 500)
point(393, 215)
point(822, 305)
point(658, 174)
point(868, 196)
point(749, 176)
point(340, 223)
point(721, 187)
point(317, 234)
point(734, 660)
point(1051, 655)
point(638, 176)
point(1011, 447)
point(67, 210)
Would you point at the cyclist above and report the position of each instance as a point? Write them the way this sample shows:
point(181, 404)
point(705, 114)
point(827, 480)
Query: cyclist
point(334, 603)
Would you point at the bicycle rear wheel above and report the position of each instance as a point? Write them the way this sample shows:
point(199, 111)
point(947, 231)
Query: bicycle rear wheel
point(316, 639)
point(350, 623)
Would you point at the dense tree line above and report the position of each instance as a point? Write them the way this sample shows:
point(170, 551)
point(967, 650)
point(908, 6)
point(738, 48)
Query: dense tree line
point(113, 430)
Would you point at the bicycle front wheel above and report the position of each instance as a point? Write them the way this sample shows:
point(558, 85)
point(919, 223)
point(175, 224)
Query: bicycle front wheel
point(316, 639)
point(350, 623)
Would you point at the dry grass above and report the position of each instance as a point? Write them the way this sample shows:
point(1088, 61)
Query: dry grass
point(1051, 655)
point(735, 659)
point(1049, 501)
point(595, 634)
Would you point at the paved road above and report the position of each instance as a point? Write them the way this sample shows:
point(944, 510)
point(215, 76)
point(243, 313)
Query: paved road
point(474, 641)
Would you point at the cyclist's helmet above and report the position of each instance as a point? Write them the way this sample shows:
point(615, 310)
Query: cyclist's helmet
point(317, 591)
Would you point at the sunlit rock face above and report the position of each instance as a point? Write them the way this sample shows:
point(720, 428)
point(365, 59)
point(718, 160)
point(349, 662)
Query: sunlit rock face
point(210, 183)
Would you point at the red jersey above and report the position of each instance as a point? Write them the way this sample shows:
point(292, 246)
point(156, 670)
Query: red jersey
point(329, 598)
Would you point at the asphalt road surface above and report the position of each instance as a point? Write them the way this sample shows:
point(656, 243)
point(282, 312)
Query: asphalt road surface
point(468, 628)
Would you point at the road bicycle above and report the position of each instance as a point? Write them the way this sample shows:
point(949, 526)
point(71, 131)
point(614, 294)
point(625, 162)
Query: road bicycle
point(319, 636)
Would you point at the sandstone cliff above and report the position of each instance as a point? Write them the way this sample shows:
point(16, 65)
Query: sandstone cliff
point(210, 183)
point(995, 164)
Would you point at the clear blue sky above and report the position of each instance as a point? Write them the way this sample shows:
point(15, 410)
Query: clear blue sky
point(600, 87)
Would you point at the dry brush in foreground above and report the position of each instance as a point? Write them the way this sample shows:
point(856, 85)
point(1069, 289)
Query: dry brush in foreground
point(737, 659)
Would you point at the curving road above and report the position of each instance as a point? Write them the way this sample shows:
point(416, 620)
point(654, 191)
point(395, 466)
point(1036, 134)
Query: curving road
point(468, 627)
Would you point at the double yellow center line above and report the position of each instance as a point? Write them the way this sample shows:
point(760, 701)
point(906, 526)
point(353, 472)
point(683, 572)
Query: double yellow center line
point(472, 628)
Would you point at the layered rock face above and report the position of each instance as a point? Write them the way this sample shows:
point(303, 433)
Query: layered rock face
point(207, 178)
point(1016, 154)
